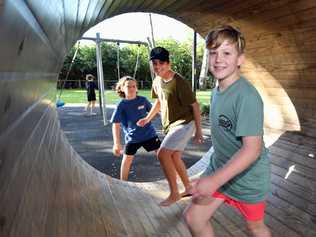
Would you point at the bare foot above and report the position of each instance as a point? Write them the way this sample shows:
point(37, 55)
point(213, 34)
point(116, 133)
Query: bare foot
point(170, 200)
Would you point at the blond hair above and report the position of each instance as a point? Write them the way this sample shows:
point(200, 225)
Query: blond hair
point(226, 32)
point(121, 83)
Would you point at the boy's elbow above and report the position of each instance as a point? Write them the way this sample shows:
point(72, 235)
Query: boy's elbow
point(195, 104)
point(252, 146)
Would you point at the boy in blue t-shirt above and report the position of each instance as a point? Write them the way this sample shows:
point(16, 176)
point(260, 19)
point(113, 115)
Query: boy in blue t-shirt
point(239, 170)
point(129, 110)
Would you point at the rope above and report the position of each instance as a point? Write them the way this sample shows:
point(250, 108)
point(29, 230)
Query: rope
point(137, 62)
point(68, 72)
point(118, 61)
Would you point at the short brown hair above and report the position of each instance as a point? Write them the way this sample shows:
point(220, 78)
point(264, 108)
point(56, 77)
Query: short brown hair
point(120, 84)
point(226, 32)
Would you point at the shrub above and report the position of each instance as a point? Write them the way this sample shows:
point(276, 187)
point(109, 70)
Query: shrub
point(205, 109)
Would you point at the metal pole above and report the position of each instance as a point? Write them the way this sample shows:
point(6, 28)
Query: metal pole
point(116, 40)
point(118, 60)
point(101, 79)
point(151, 67)
point(152, 30)
point(194, 62)
point(204, 70)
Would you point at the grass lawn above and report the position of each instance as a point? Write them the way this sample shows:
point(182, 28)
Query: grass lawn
point(79, 96)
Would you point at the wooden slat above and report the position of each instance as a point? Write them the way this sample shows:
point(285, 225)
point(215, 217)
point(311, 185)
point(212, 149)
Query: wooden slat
point(294, 219)
point(130, 216)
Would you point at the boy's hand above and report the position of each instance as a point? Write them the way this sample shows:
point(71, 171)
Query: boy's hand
point(142, 122)
point(198, 137)
point(202, 190)
point(117, 149)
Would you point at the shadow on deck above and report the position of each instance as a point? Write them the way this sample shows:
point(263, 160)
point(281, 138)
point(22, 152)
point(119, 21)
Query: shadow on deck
point(291, 208)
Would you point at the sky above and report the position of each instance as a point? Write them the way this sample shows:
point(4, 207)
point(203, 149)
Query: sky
point(136, 26)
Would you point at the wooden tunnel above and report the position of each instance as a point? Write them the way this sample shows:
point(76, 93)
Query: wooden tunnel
point(46, 189)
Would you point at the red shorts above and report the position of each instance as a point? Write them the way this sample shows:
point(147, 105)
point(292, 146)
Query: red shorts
point(251, 211)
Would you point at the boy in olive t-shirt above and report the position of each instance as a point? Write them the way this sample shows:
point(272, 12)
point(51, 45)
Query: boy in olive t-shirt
point(180, 116)
point(176, 98)
point(239, 169)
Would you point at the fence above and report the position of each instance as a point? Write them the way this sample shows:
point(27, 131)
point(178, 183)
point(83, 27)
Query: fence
point(81, 84)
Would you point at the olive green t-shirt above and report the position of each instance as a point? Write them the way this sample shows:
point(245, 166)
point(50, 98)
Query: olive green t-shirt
point(176, 98)
point(237, 112)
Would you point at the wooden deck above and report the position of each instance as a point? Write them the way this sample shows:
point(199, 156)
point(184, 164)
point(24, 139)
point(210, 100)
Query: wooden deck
point(134, 205)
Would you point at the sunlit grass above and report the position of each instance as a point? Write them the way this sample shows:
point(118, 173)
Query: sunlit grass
point(80, 96)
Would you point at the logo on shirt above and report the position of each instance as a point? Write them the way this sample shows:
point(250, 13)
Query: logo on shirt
point(224, 122)
point(141, 107)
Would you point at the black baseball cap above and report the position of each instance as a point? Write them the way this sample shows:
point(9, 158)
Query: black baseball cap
point(159, 53)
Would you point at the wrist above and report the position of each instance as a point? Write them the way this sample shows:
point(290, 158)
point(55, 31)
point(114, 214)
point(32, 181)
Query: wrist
point(147, 120)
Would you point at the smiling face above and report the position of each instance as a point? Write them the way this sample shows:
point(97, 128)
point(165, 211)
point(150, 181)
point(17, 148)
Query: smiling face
point(161, 68)
point(130, 89)
point(224, 61)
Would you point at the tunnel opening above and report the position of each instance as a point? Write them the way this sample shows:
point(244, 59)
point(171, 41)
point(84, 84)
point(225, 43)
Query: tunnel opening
point(90, 138)
point(47, 190)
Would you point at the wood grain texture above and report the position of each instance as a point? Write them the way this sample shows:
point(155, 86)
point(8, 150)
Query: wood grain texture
point(46, 189)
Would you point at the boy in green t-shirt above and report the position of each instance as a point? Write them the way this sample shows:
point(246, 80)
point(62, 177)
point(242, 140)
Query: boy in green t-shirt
point(180, 117)
point(239, 170)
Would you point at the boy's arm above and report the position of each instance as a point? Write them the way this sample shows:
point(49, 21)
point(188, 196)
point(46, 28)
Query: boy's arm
point(198, 137)
point(151, 114)
point(241, 160)
point(116, 131)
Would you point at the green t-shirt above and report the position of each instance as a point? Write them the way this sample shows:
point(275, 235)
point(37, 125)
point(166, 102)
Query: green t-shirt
point(237, 112)
point(176, 98)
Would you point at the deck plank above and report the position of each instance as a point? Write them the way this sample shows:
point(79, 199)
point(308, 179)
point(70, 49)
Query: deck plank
point(290, 207)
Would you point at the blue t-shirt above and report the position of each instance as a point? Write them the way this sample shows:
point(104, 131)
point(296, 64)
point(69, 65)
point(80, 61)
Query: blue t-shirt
point(127, 113)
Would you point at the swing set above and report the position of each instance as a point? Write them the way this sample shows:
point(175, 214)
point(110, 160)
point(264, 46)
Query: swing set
point(59, 102)
point(98, 41)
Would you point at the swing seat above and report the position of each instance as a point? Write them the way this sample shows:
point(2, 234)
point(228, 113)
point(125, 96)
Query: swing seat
point(59, 103)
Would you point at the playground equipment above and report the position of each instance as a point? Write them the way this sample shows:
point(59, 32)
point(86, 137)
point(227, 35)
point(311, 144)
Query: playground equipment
point(45, 187)
point(98, 41)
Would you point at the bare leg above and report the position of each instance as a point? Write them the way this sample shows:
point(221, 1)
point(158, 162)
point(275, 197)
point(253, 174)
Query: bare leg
point(181, 169)
point(258, 229)
point(125, 166)
point(164, 156)
point(92, 105)
point(87, 106)
point(197, 217)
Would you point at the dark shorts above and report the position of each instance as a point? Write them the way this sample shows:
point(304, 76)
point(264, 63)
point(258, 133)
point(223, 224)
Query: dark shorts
point(149, 145)
point(91, 96)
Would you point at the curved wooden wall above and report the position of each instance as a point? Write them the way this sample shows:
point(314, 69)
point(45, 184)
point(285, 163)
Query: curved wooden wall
point(47, 190)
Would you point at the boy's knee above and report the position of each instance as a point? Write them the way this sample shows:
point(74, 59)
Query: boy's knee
point(258, 228)
point(163, 154)
point(159, 154)
point(192, 221)
point(128, 159)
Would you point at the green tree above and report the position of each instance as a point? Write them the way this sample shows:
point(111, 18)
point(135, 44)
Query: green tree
point(85, 62)
point(181, 56)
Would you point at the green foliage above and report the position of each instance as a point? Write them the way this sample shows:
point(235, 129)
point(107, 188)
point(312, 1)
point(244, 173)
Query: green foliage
point(181, 56)
point(85, 62)
point(204, 108)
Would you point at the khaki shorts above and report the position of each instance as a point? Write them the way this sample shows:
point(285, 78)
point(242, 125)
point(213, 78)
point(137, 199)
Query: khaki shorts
point(178, 137)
